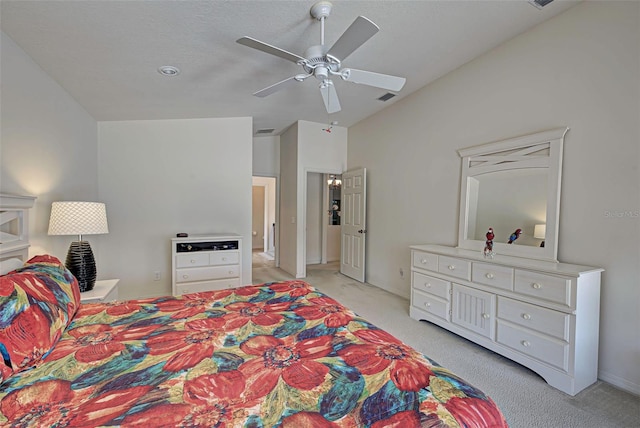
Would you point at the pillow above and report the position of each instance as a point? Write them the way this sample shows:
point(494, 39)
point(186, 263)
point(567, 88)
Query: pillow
point(37, 303)
point(9, 265)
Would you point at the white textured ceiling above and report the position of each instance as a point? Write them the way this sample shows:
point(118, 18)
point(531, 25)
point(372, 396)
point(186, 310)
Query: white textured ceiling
point(106, 53)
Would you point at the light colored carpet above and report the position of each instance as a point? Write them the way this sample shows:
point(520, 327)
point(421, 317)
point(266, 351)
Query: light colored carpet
point(525, 398)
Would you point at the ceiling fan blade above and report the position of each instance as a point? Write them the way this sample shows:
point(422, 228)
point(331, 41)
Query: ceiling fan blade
point(384, 81)
point(361, 30)
point(275, 87)
point(330, 96)
point(267, 48)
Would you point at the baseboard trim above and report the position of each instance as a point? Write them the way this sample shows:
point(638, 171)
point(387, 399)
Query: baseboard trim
point(619, 382)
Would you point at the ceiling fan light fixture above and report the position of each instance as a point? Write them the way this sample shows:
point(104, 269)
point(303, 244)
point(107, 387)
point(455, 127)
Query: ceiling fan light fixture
point(168, 70)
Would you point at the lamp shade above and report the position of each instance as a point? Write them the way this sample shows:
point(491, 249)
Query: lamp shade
point(78, 218)
point(539, 231)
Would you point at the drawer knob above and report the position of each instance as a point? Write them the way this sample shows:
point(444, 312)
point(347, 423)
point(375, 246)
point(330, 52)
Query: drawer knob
point(224, 259)
point(428, 305)
point(451, 267)
point(427, 284)
point(489, 275)
point(526, 316)
point(525, 343)
point(536, 286)
point(193, 261)
point(185, 276)
point(423, 261)
point(486, 316)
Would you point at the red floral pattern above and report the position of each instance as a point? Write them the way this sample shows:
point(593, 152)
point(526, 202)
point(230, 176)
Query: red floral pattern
point(408, 370)
point(280, 354)
point(327, 309)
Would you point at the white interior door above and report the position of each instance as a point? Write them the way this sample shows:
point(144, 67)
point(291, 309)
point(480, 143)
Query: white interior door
point(353, 216)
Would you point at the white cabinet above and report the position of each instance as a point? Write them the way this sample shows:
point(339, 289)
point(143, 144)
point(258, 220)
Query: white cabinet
point(544, 315)
point(103, 292)
point(206, 262)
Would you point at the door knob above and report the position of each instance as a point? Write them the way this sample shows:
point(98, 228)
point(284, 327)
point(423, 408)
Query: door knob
point(362, 231)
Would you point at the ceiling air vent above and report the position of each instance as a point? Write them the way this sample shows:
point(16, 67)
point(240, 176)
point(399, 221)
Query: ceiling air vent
point(540, 3)
point(265, 131)
point(386, 96)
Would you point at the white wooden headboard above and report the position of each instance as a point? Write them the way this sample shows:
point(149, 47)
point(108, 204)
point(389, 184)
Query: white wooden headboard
point(14, 226)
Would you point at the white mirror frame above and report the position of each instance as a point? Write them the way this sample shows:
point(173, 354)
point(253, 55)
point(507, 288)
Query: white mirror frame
point(539, 150)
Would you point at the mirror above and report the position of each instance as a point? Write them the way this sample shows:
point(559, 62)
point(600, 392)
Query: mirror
point(513, 188)
point(334, 183)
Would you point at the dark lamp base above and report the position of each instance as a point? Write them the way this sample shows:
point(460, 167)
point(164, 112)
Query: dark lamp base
point(82, 265)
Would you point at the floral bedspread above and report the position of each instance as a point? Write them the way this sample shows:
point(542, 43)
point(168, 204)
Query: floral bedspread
point(280, 354)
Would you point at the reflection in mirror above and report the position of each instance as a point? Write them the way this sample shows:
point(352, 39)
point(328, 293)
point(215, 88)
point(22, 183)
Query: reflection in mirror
point(507, 201)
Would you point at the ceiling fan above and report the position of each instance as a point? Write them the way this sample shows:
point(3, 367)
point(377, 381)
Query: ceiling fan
point(324, 63)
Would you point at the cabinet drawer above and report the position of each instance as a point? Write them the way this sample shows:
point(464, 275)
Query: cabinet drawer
point(207, 273)
point(545, 287)
point(553, 323)
point(454, 267)
point(543, 348)
point(492, 275)
point(224, 258)
point(197, 287)
point(428, 284)
point(425, 261)
point(192, 259)
point(431, 304)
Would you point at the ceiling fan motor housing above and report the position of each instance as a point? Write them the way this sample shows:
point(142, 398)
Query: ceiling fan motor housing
point(318, 63)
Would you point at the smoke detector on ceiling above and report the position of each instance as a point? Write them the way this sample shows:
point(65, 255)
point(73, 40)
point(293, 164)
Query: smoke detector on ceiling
point(168, 70)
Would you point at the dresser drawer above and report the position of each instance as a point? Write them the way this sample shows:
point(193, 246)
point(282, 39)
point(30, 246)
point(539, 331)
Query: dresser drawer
point(545, 287)
point(431, 304)
point(492, 275)
point(192, 259)
point(206, 273)
point(197, 287)
point(548, 321)
point(224, 258)
point(454, 267)
point(425, 261)
point(428, 284)
point(546, 349)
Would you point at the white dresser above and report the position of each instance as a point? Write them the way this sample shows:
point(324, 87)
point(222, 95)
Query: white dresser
point(541, 314)
point(206, 262)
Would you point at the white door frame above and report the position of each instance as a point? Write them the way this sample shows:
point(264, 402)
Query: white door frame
point(276, 237)
point(304, 212)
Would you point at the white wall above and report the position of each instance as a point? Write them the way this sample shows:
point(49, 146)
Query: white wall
point(47, 146)
point(580, 69)
point(314, 218)
point(162, 177)
point(266, 156)
point(304, 148)
point(288, 233)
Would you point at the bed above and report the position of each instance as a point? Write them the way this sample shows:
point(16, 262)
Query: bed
point(279, 354)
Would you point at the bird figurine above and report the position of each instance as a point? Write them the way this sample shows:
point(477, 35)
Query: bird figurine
point(515, 235)
point(488, 244)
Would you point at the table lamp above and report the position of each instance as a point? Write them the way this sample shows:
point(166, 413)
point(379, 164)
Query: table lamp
point(539, 231)
point(79, 218)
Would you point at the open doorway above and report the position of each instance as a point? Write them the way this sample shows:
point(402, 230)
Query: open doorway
point(264, 225)
point(323, 219)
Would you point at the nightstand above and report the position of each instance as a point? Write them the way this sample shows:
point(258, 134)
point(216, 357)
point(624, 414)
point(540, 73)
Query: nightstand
point(104, 291)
